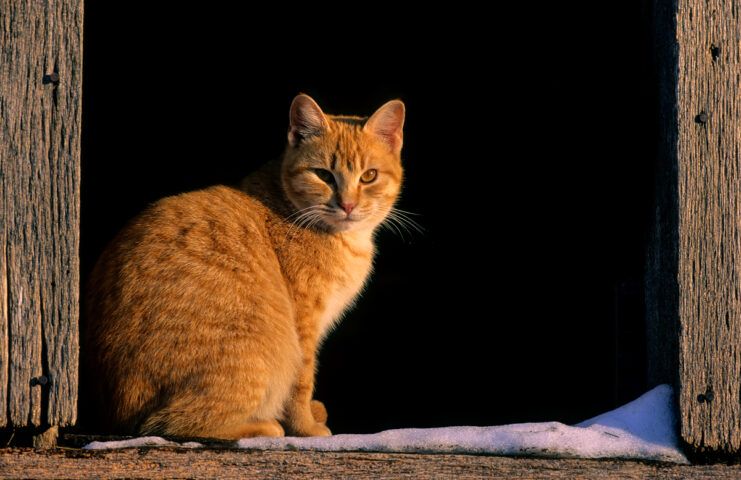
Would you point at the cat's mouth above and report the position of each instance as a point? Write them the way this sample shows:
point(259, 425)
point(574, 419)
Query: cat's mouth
point(348, 220)
point(341, 221)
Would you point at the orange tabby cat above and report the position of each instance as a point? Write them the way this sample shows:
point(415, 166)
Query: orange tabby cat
point(204, 315)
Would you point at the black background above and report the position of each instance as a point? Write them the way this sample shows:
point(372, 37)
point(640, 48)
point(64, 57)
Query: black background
point(528, 151)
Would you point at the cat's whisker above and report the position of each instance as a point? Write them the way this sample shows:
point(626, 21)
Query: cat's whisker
point(405, 215)
point(391, 226)
point(394, 223)
point(316, 220)
point(405, 211)
point(390, 222)
point(298, 212)
point(300, 217)
point(307, 219)
point(380, 215)
point(303, 218)
point(402, 216)
point(403, 223)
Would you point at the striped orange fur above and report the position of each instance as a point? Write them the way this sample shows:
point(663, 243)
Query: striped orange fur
point(204, 315)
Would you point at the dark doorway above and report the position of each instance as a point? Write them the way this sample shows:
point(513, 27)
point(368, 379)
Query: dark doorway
point(529, 159)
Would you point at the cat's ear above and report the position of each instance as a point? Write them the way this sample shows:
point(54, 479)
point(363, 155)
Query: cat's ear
point(306, 120)
point(387, 124)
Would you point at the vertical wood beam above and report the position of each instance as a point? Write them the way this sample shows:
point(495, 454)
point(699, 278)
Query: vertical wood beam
point(40, 118)
point(694, 262)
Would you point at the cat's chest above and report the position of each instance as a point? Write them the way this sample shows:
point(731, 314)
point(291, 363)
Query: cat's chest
point(328, 285)
point(342, 289)
point(325, 276)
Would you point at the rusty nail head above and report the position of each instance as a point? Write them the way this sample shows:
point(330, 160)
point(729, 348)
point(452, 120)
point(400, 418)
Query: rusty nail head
point(715, 51)
point(701, 118)
point(708, 396)
point(50, 78)
point(41, 380)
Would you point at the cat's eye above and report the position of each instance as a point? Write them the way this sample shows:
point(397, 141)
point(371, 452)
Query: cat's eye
point(369, 175)
point(325, 175)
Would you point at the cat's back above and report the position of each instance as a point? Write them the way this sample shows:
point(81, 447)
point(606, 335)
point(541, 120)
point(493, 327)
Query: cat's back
point(216, 214)
point(184, 278)
point(219, 231)
point(214, 239)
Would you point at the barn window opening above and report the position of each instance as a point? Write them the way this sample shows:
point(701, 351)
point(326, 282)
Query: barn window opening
point(523, 299)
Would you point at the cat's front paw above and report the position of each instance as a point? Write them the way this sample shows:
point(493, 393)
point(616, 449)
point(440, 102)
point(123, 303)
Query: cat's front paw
point(308, 420)
point(309, 429)
point(317, 430)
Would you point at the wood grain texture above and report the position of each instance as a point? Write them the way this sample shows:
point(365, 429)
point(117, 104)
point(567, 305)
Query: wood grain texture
point(709, 127)
point(224, 464)
point(694, 260)
point(40, 114)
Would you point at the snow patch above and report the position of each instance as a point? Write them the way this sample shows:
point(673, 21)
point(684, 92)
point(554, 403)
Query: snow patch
point(643, 429)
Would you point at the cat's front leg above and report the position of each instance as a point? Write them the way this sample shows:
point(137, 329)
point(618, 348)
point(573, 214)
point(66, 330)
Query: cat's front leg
point(319, 411)
point(304, 416)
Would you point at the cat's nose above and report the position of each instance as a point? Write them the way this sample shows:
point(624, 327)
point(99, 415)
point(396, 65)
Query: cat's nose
point(347, 207)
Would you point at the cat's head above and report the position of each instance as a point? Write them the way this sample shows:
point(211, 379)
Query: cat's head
point(342, 173)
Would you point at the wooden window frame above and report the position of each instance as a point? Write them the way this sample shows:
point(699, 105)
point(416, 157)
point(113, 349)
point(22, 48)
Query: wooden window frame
point(693, 269)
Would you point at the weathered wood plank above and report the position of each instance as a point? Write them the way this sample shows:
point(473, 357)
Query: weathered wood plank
point(20, 113)
point(709, 33)
point(694, 267)
point(40, 113)
point(61, 320)
point(221, 464)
